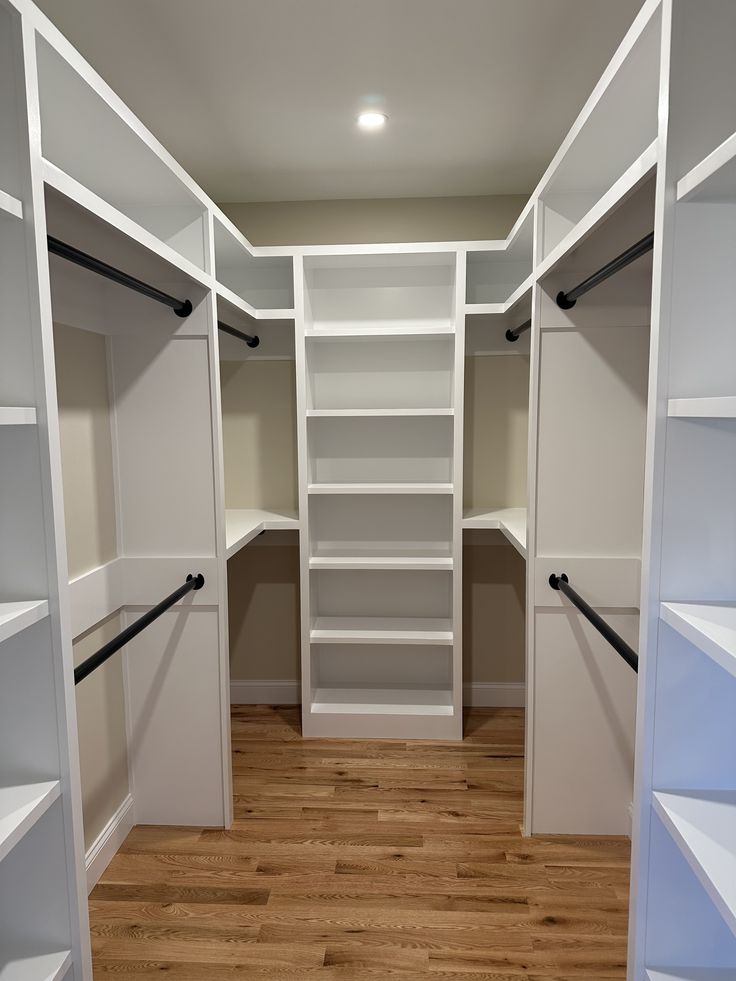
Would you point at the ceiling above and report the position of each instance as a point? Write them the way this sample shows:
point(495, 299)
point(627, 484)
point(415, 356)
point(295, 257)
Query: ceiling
point(257, 99)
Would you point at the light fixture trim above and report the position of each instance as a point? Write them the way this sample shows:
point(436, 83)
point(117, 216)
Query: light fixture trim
point(372, 119)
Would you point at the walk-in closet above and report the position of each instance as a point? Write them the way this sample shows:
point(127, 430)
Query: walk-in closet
point(366, 490)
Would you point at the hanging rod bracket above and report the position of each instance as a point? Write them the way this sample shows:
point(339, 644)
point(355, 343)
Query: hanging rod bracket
point(515, 333)
point(562, 301)
point(554, 580)
point(198, 580)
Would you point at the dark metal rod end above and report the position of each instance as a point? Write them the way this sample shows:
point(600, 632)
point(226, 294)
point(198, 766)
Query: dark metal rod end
point(511, 336)
point(554, 580)
point(562, 301)
point(198, 580)
point(515, 334)
point(185, 309)
point(254, 341)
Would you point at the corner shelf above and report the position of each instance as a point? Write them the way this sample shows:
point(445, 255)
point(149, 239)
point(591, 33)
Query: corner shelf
point(714, 178)
point(17, 416)
point(10, 206)
point(711, 627)
point(703, 825)
point(383, 331)
point(380, 560)
point(690, 974)
point(429, 632)
point(38, 967)
point(242, 525)
point(21, 805)
point(382, 701)
point(511, 522)
point(16, 616)
point(722, 407)
point(427, 488)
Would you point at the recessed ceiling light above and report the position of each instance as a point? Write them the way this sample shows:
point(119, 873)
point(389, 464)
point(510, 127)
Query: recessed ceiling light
point(372, 120)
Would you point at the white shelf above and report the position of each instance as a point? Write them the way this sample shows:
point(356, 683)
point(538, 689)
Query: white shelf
point(242, 525)
point(15, 617)
point(713, 179)
point(382, 701)
point(21, 806)
point(510, 521)
point(383, 330)
point(709, 626)
point(255, 313)
point(10, 205)
point(375, 413)
point(634, 176)
point(723, 407)
point(54, 177)
point(432, 632)
point(362, 558)
point(691, 974)
point(703, 825)
point(403, 488)
point(41, 967)
point(17, 416)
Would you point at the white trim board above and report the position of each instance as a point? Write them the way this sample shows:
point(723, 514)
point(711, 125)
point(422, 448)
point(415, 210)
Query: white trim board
point(107, 843)
point(482, 693)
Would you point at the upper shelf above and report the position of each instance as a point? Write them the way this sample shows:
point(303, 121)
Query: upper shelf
point(10, 205)
point(242, 525)
point(713, 179)
point(15, 617)
point(711, 627)
point(17, 416)
point(265, 284)
point(720, 407)
point(20, 807)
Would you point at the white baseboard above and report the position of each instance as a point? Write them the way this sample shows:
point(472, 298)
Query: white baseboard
point(485, 693)
point(265, 693)
point(102, 851)
point(495, 694)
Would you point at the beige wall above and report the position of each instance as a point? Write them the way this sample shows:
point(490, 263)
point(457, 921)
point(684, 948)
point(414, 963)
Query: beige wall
point(103, 755)
point(259, 434)
point(496, 425)
point(86, 445)
point(263, 593)
point(89, 510)
point(384, 220)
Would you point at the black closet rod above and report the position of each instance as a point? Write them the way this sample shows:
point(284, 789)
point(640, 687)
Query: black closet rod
point(618, 643)
point(250, 341)
point(182, 308)
point(568, 300)
point(515, 334)
point(95, 660)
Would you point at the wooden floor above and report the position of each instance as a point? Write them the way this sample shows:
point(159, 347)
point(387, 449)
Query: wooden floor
point(365, 860)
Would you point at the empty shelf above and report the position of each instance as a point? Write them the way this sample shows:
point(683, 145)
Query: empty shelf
point(358, 413)
point(703, 825)
point(427, 631)
point(711, 627)
point(382, 701)
point(714, 178)
point(346, 332)
point(510, 521)
point(17, 416)
point(21, 805)
point(418, 561)
point(10, 205)
point(15, 617)
point(242, 525)
point(723, 407)
point(401, 488)
point(39, 967)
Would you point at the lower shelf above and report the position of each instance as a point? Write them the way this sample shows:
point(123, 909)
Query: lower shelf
point(381, 630)
point(703, 825)
point(691, 974)
point(41, 967)
point(242, 525)
point(510, 521)
point(21, 805)
point(709, 626)
point(15, 617)
point(382, 701)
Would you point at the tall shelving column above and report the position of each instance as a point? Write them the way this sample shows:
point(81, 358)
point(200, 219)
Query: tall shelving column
point(683, 919)
point(379, 378)
point(43, 925)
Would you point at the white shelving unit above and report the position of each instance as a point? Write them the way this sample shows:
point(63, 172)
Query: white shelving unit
point(378, 380)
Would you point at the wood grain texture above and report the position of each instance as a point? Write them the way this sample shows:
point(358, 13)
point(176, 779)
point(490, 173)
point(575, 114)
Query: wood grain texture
point(361, 861)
